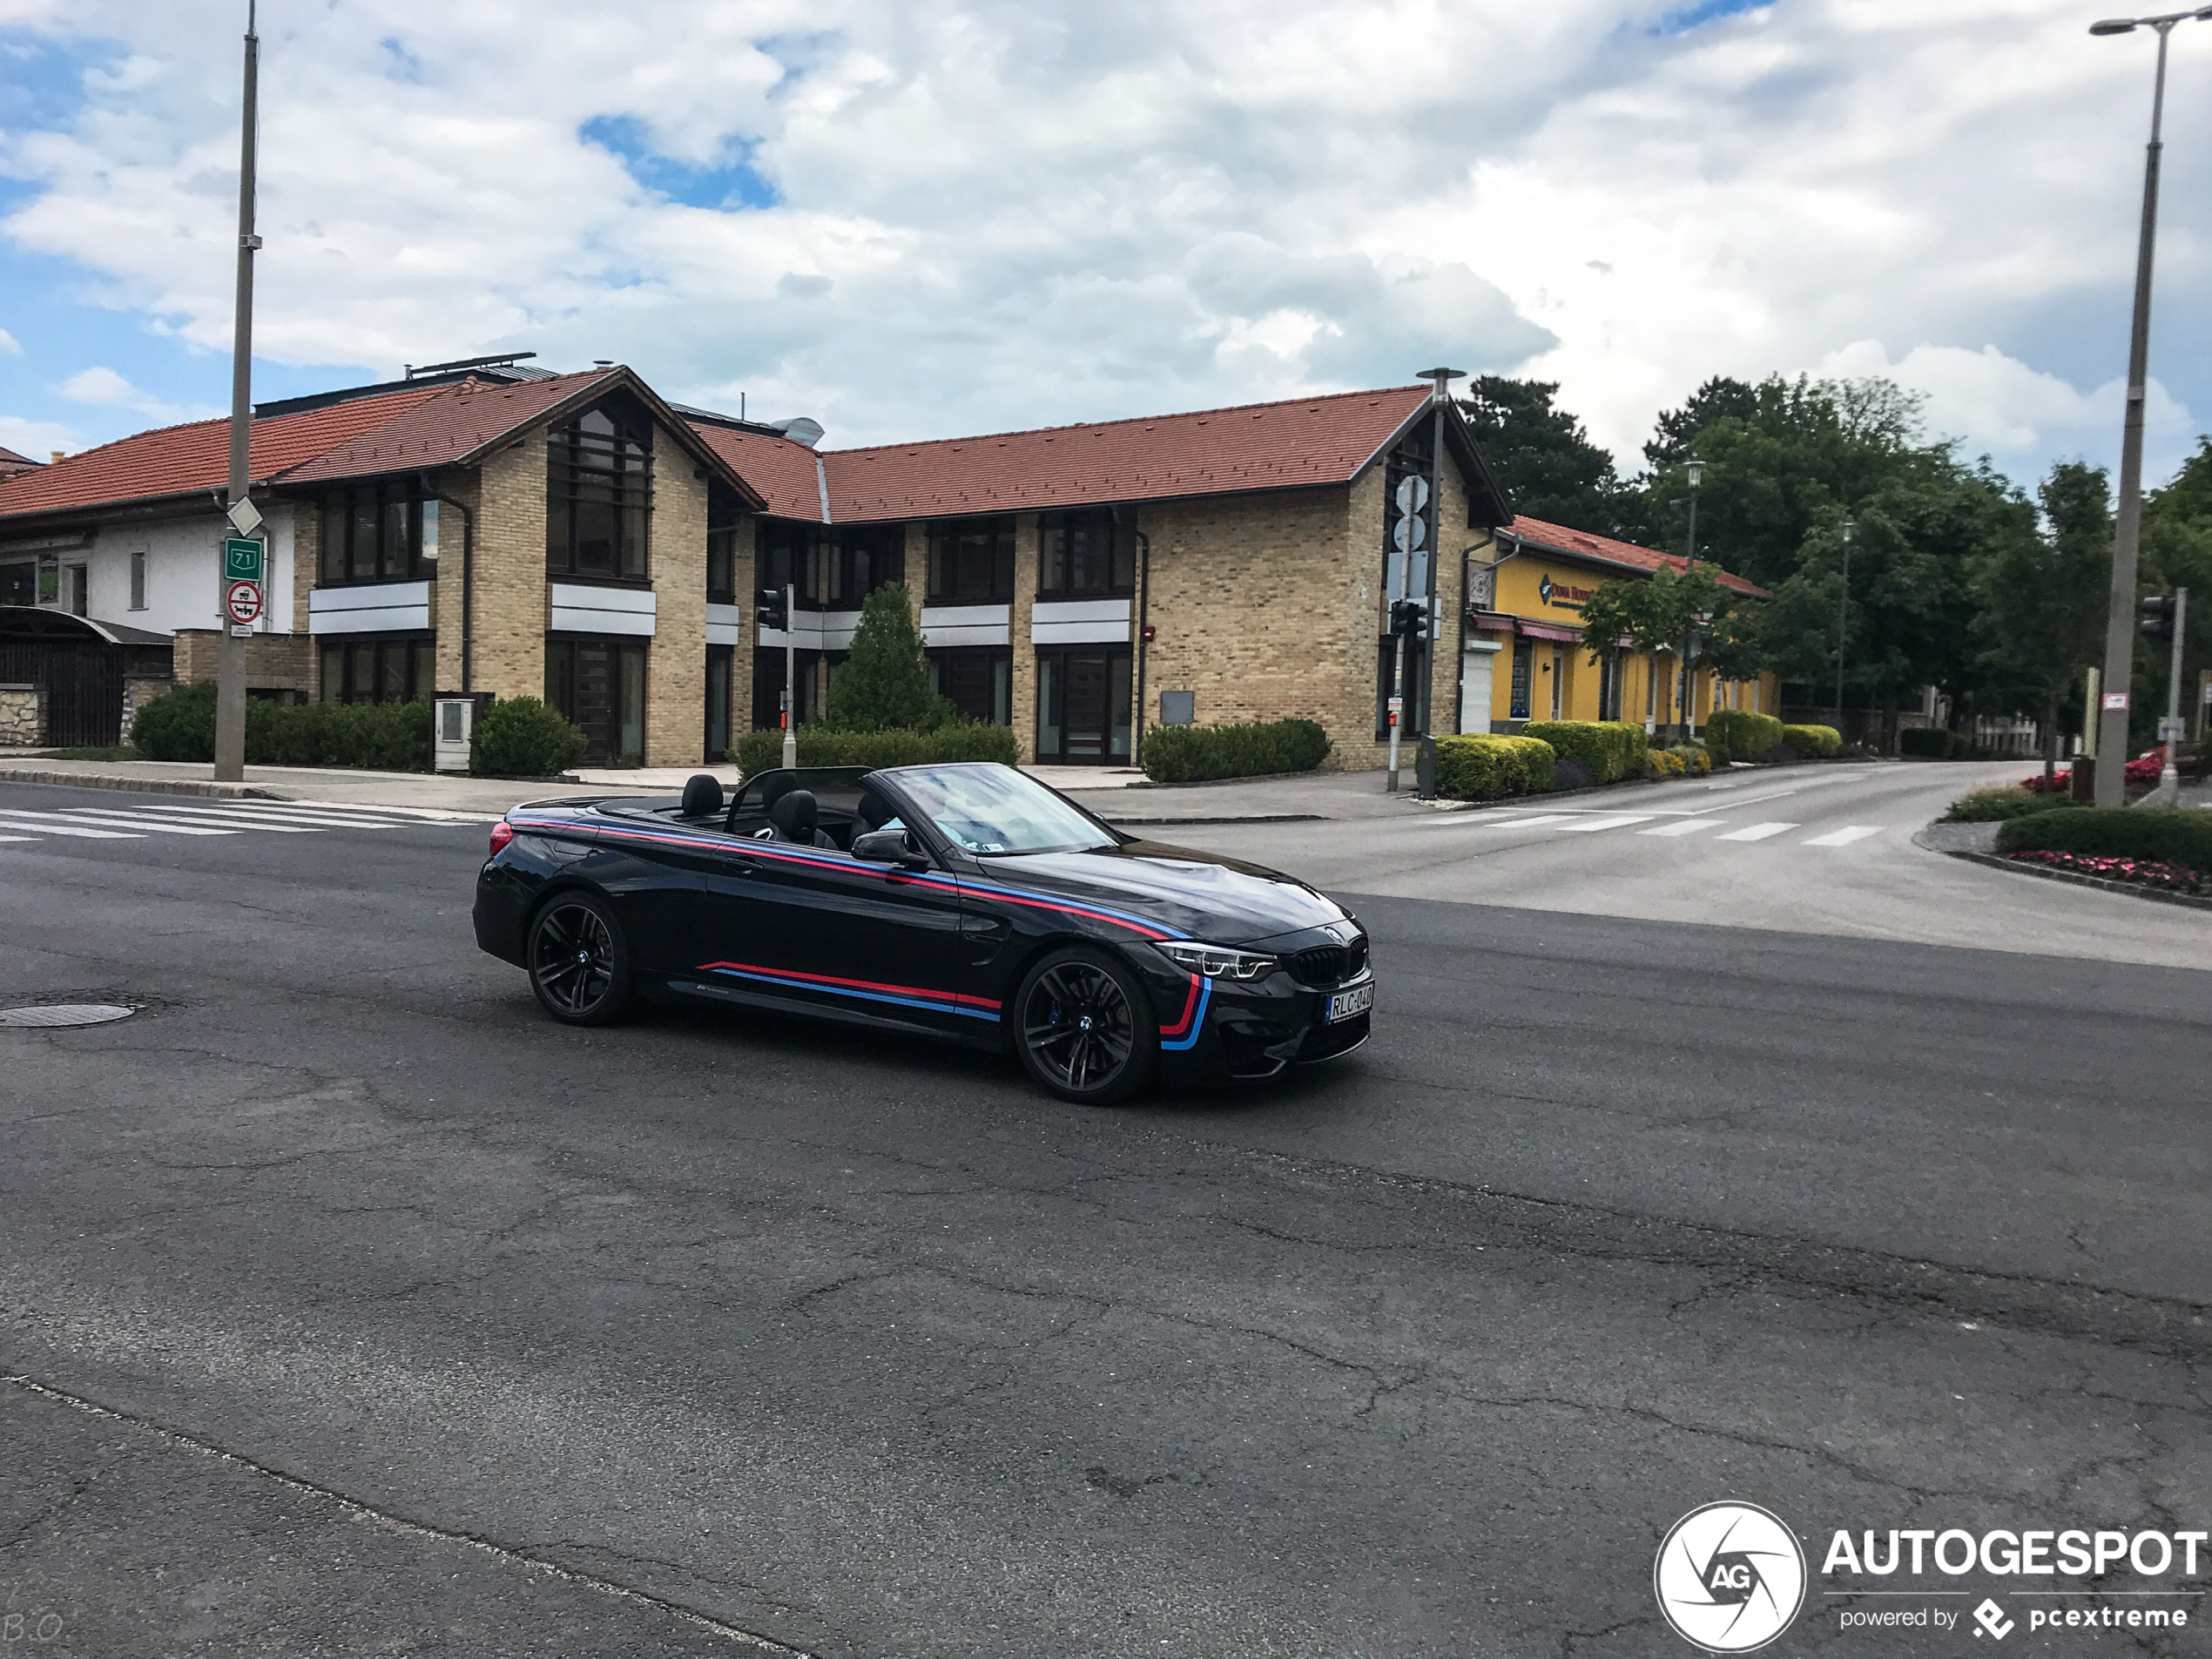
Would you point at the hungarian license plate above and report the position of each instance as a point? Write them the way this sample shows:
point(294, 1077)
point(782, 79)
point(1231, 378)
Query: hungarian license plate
point(1344, 1004)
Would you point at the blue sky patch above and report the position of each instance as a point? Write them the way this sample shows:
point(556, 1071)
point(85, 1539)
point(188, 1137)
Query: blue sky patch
point(728, 185)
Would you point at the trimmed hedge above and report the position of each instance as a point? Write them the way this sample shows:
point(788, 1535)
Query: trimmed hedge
point(521, 737)
point(1813, 742)
point(1489, 768)
point(1738, 734)
point(2001, 803)
point(2171, 834)
point(1187, 754)
point(1610, 750)
point(1934, 743)
point(819, 747)
point(376, 737)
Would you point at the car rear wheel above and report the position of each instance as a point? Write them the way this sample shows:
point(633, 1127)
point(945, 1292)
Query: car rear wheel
point(1084, 1028)
point(579, 961)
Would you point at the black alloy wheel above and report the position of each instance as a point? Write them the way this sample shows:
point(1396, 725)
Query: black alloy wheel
point(1085, 1028)
point(579, 961)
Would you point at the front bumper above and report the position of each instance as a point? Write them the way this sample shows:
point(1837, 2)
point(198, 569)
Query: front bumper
point(1224, 1029)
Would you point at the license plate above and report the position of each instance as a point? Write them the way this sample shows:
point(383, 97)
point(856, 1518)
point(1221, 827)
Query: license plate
point(1344, 1004)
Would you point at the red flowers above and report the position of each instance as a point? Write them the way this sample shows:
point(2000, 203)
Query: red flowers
point(2060, 783)
point(2142, 873)
point(2146, 769)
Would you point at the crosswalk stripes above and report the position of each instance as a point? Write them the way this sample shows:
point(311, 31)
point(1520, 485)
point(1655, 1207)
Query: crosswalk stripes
point(74, 832)
point(1682, 826)
point(218, 819)
point(103, 820)
point(316, 819)
point(1593, 821)
point(1846, 835)
point(1757, 832)
point(1591, 826)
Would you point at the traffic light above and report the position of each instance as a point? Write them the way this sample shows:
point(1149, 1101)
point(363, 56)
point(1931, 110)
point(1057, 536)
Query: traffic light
point(1409, 618)
point(774, 613)
point(2158, 616)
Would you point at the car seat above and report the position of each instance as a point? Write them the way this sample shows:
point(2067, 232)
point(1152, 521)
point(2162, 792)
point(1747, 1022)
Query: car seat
point(702, 795)
point(792, 818)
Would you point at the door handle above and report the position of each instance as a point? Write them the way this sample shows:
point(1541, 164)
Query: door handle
point(991, 927)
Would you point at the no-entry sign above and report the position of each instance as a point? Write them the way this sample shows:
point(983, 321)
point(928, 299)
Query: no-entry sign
point(242, 602)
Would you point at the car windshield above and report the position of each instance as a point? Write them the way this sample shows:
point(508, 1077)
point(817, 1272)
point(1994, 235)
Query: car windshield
point(993, 810)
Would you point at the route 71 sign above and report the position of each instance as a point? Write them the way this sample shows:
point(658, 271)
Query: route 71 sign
point(241, 561)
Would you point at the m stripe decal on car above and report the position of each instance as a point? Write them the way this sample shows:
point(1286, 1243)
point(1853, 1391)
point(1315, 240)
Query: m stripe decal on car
point(913, 996)
point(1185, 1030)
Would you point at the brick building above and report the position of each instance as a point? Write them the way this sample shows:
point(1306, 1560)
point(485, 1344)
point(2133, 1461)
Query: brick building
point(493, 527)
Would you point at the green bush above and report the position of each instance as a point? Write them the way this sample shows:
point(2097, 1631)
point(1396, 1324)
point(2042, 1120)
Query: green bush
point(883, 683)
point(1610, 750)
point(1813, 742)
point(820, 746)
point(1738, 734)
point(377, 736)
point(1189, 754)
point(2172, 834)
point(1934, 743)
point(520, 737)
point(2000, 802)
point(1696, 759)
point(1490, 768)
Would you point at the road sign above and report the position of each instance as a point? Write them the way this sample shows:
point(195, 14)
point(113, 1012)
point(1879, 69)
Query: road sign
point(1412, 494)
point(244, 518)
point(242, 602)
point(1409, 534)
point(2115, 702)
point(241, 561)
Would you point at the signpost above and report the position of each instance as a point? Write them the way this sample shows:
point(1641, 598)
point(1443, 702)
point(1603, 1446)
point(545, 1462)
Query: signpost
point(1407, 536)
point(245, 518)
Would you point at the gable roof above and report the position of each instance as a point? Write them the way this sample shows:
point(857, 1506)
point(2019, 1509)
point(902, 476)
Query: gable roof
point(9, 461)
point(1606, 549)
point(1286, 445)
point(447, 425)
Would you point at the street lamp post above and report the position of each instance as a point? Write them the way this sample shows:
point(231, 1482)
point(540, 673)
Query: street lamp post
point(230, 653)
point(1695, 469)
point(2120, 621)
point(1843, 621)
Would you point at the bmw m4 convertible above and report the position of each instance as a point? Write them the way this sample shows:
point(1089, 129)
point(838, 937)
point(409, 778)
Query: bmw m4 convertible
point(962, 902)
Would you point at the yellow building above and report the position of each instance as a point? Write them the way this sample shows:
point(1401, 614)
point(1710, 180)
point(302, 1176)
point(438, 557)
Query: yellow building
point(1521, 656)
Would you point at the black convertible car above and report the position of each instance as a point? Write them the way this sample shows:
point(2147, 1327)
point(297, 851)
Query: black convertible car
point(964, 901)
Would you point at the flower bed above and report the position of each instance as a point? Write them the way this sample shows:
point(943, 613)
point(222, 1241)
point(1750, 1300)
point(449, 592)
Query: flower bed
point(2144, 873)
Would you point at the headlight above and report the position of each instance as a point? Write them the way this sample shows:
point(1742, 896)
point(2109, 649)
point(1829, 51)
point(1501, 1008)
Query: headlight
point(1217, 962)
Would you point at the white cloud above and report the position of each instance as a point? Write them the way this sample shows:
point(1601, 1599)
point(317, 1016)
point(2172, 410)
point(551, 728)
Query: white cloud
point(38, 439)
point(993, 212)
point(103, 388)
point(9, 346)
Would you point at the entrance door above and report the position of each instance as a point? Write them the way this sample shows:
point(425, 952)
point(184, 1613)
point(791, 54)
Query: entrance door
point(1083, 705)
point(600, 685)
point(1559, 683)
point(1475, 690)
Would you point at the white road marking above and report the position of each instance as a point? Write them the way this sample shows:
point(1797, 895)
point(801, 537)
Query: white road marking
point(112, 820)
point(284, 826)
point(18, 838)
point(1588, 824)
point(1845, 836)
point(1757, 832)
point(48, 827)
point(1685, 827)
point(278, 815)
point(1497, 820)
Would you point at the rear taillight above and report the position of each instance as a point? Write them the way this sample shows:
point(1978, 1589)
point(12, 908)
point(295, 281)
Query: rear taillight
point(502, 832)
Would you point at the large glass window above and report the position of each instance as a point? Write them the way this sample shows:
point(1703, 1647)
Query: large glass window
point(379, 668)
point(768, 686)
point(719, 662)
point(378, 533)
point(862, 559)
point(598, 495)
point(972, 562)
point(19, 582)
point(979, 681)
point(1524, 654)
point(600, 684)
point(1083, 704)
point(724, 521)
point(1085, 554)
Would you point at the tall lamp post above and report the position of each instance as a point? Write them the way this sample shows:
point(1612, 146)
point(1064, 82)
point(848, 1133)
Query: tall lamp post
point(1695, 469)
point(230, 654)
point(2119, 620)
point(1843, 621)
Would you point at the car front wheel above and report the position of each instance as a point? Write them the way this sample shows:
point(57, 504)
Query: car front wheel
point(1084, 1029)
point(579, 960)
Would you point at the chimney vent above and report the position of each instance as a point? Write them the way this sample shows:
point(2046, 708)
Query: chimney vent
point(57, 454)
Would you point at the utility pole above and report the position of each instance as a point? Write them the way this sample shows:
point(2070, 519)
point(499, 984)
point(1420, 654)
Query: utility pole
point(1415, 496)
point(230, 656)
point(1696, 469)
point(1842, 622)
point(2119, 620)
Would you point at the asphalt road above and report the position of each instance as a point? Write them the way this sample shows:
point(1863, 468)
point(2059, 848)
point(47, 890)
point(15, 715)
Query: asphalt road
point(350, 1307)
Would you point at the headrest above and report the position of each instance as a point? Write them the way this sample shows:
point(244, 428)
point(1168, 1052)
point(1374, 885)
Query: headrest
point(793, 815)
point(779, 783)
point(702, 795)
point(875, 811)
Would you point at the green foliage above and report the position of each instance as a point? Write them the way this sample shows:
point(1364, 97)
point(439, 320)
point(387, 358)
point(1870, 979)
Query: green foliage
point(1610, 750)
point(521, 737)
point(2001, 802)
point(2042, 593)
point(1544, 461)
point(1490, 768)
point(2176, 552)
point(1183, 754)
point(821, 745)
point(1675, 431)
point(180, 725)
point(1696, 759)
point(884, 685)
point(1738, 734)
point(1660, 613)
point(1934, 743)
point(1813, 742)
point(2174, 834)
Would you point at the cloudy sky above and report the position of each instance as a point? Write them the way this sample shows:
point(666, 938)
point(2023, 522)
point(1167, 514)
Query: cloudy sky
point(922, 220)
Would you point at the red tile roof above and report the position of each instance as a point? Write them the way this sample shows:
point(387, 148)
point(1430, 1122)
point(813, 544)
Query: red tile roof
point(1558, 538)
point(441, 430)
point(10, 460)
point(1210, 452)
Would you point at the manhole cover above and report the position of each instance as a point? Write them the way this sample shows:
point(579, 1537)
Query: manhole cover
point(66, 1014)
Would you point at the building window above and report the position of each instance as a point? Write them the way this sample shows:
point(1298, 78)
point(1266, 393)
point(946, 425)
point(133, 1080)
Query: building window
point(600, 685)
point(1523, 664)
point(972, 563)
point(719, 660)
point(1414, 721)
point(378, 533)
point(76, 591)
point(598, 495)
point(1083, 704)
point(783, 556)
point(139, 580)
point(379, 668)
point(977, 682)
point(722, 567)
point(858, 562)
point(1085, 554)
point(19, 582)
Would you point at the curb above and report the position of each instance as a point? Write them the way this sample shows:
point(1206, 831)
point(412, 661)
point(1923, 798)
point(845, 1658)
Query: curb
point(136, 786)
point(2187, 900)
point(1253, 818)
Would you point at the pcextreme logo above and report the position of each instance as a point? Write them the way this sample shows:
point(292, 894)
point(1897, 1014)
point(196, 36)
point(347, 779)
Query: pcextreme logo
point(1729, 1577)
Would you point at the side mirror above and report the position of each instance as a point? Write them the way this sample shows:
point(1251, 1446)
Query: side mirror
point(891, 847)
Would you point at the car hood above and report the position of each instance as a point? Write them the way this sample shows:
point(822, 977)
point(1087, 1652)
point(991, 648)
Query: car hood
point(1224, 901)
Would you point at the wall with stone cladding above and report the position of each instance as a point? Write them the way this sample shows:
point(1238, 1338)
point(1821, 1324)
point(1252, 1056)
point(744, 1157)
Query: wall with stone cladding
point(138, 690)
point(745, 589)
point(676, 664)
point(461, 559)
point(510, 602)
point(1023, 695)
point(23, 717)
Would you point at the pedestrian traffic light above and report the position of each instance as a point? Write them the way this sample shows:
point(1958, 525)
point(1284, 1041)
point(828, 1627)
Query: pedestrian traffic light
point(1409, 618)
point(774, 612)
point(2158, 616)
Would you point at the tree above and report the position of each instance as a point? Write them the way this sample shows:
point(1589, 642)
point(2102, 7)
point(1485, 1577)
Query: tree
point(2177, 553)
point(1543, 459)
point(884, 683)
point(1675, 430)
point(2042, 590)
point(1660, 615)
